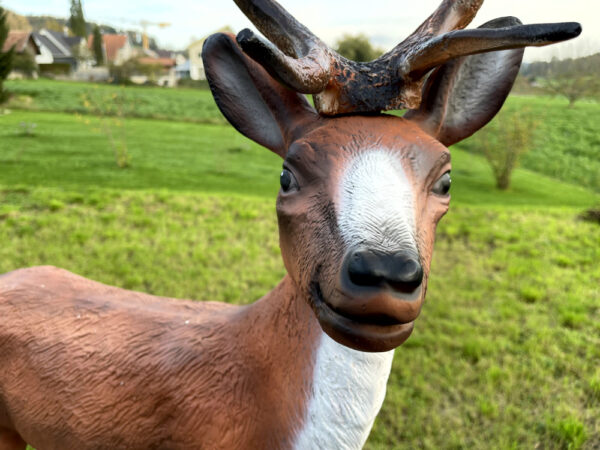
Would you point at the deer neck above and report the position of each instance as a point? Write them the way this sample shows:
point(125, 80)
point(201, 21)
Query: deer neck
point(340, 390)
point(348, 389)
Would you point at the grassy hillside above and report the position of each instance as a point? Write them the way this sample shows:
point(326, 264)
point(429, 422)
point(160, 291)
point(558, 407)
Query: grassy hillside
point(66, 151)
point(506, 353)
point(191, 105)
point(567, 141)
point(567, 145)
point(76, 154)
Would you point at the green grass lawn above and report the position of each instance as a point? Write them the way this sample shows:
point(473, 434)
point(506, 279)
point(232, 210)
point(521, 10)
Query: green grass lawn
point(566, 147)
point(506, 353)
point(73, 153)
point(192, 105)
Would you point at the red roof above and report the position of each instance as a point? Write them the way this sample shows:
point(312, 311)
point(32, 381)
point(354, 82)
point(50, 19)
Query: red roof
point(164, 62)
point(19, 39)
point(112, 44)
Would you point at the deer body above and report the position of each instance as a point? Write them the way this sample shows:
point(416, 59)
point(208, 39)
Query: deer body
point(193, 374)
point(89, 366)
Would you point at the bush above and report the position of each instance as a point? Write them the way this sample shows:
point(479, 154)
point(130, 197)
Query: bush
point(122, 74)
point(189, 83)
point(504, 140)
point(25, 63)
point(592, 215)
point(357, 48)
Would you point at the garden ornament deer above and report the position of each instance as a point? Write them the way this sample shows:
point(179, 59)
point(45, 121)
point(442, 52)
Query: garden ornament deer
point(89, 366)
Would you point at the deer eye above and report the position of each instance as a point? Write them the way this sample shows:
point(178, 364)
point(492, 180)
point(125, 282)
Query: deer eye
point(288, 181)
point(442, 185)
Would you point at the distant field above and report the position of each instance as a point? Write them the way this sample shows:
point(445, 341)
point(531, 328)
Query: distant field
point(70, 152)
point(567, 145)
point(189, 105)
point(73, 153)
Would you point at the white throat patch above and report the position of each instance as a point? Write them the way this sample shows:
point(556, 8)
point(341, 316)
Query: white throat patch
point(348, 391)
point(376, 203)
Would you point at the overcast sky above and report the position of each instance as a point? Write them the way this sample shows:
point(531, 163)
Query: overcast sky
point(386, 22)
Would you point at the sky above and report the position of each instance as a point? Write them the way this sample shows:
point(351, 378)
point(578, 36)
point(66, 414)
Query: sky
point(385, 22)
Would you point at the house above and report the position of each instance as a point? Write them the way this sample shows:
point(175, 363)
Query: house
point(160, 67)
point(117, 48)
point(183, 71)
point(194, 69)
point(23, 44)
point(59, 53)
point(22, 41)
point(195, 66)
point(163, 73)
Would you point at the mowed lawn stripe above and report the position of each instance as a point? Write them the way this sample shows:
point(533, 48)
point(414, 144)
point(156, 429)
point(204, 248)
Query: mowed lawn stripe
point(73, 152)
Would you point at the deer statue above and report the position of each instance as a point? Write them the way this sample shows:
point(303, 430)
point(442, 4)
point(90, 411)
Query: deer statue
point(88, 366)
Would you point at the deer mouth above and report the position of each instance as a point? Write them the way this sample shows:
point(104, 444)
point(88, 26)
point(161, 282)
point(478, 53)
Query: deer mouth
point(369, 333)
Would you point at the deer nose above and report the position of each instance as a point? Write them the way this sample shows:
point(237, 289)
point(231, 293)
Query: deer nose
point(401, 271)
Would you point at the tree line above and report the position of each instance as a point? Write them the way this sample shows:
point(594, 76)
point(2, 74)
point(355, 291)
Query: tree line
point(572, 78)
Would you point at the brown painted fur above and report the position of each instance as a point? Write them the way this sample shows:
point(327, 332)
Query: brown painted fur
point(89, 366)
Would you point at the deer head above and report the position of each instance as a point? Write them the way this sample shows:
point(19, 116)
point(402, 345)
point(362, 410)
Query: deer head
point(361, 194)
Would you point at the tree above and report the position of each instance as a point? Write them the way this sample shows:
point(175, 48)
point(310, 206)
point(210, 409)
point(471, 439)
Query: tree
point(572, 78)
point(17, 22)
point(97, 46)
point(81, 53)
point(25, 63)
point(503, 141)
point(6, 59)
point(53, 24)
point(574, 86)
point(77, 20)
point(357, 48)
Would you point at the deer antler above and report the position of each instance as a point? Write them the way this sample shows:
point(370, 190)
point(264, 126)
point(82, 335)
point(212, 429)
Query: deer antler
point(300, 60)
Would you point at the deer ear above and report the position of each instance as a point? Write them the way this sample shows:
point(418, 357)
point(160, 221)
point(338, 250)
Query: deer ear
point(252, 101)
point(464, 94)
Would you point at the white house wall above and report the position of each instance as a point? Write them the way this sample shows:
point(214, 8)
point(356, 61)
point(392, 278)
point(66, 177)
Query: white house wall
point(45, 56)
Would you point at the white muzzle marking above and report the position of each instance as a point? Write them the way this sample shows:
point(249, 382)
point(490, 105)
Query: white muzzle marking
point(376, 203)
